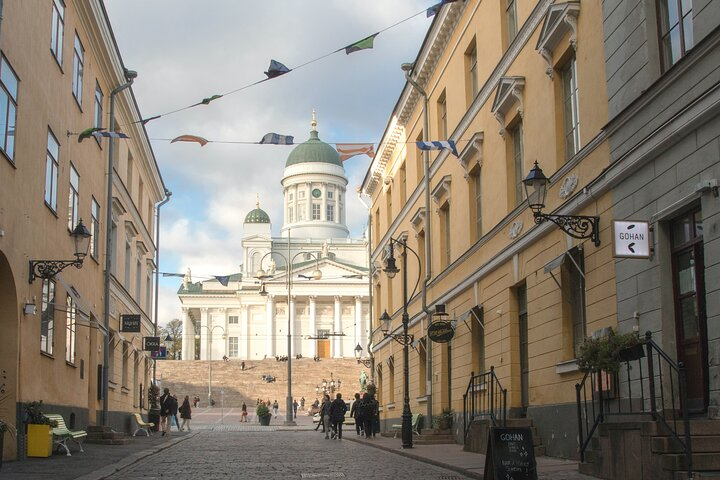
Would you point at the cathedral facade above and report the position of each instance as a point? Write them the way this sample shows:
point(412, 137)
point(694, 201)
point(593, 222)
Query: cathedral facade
point(307, 289)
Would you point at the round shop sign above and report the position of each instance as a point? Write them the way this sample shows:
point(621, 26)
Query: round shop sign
point(441, 331)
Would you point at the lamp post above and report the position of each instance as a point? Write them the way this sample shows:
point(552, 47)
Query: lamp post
point(210, 335)
point(577, 226)
point(262, 275)
point(168, 193)
point(366, 362)
point(49, 268)
point(403, 338)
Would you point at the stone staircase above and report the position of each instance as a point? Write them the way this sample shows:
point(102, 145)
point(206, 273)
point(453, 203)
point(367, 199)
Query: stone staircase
point(644, 450)
point(231, 385)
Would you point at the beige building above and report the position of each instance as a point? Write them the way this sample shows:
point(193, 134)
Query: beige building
point(58, 66)
point(510, 83)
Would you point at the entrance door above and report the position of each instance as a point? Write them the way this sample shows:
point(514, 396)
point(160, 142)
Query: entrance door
point(523, 339)
point(689, 296)
point(323, 348)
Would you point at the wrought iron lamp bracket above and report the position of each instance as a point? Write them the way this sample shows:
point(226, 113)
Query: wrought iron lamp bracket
point(401, 338)
point(577, 226)
point(49, 268)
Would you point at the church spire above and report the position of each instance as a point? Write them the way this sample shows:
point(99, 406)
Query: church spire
point(313, 124)
point(257, 200)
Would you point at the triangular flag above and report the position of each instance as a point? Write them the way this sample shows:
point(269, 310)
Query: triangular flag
point(363, 44)
point(88, 132)
point(348, 150)
point(276, 69)
point(146, 120)
point(447, 144)
point(436, 8)
point(181, 275)
point(275, 139)
point(109, 134)
point(223, 279)
point(206, 101)
point(190, 138)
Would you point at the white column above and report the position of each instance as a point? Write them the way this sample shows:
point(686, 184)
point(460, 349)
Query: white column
point(291, 319)
point(204, 334)
point(337, 340)
point(270, 327)
point(244, 340)
point(187, 335)
point(358, 323)
point(324, 203)
point(312, 344)
point(219, 339)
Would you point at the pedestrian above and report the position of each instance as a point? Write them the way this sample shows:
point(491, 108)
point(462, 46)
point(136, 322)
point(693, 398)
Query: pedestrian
point(354, 414)
point(243, 415)
point(337, 415)
point(302, 403)
point(174, 410)
point(165, 410)
point(275, 408)
point(242, 365)
point(327, 424)
point(295, 407)
point(321, 414)
point(185, 414)
point(370, 411)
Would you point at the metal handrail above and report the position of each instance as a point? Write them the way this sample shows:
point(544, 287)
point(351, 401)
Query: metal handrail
point(484, 398)
point(636, 391)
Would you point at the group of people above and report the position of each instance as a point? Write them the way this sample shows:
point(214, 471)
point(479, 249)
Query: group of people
point(169, 410)
point(365, 411)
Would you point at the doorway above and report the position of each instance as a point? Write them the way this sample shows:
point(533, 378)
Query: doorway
point(523, 350)
point(323, 348)
point(688, 264)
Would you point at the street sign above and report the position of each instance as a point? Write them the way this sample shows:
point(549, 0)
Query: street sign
point(631, 239)
point(151, 344)
point(130, 323)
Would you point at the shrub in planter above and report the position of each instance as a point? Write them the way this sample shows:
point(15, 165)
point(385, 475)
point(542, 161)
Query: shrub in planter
point(606, 353)
point(39, 430)
point(444, 420)
point(263, 413)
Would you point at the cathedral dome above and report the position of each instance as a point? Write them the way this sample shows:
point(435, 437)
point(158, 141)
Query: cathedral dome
point(313, 150)
point(258, 215)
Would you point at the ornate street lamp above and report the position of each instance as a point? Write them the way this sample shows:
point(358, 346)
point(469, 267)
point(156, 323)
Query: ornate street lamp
point(49, 268)
point(577, 226)
point(366, 362)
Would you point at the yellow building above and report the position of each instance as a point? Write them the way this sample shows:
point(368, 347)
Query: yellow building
point(59, 68)
point(510, 83)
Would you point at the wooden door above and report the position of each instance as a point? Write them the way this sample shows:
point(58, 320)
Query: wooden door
point(689, 298)
point(523, 340)
point(323, 348)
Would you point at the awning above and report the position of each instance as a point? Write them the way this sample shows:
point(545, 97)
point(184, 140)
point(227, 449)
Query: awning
point(558, 261)
point(84, 309)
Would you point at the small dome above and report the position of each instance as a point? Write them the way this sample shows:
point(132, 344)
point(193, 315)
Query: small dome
point(313, 150)
point(258, 215)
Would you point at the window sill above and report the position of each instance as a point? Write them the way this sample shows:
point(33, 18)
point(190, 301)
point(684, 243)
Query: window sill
point(70, 364)
point(47, 354)
point(568, 366)
point(57, 62)
point(7, 157)
point(112, 385)
point(124, 390)
point(422, 399)
point(390, 406)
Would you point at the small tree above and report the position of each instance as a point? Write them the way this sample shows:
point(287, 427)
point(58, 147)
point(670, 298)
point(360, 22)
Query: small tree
point(174, 328)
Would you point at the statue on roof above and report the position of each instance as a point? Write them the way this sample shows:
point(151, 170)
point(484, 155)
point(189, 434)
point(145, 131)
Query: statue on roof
point(273, 266)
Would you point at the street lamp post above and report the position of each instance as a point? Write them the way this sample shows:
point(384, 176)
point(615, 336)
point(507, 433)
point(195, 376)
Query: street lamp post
point(210, 335)
point(262, 275)
point(403, 338)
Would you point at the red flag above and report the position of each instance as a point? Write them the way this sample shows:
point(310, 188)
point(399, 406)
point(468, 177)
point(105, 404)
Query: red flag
point(348, 150)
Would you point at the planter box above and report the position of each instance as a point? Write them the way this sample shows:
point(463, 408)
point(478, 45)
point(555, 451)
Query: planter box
point(39, 440)
point(265, 421)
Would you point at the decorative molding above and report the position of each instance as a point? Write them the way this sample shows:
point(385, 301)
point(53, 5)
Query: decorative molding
point(509, 91)
point(471, 151)
point(418, 219)
point(515, 229)
point(560, 19)
point(567, 187)
point(442, 189)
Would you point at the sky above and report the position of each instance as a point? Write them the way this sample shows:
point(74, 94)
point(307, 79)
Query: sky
point(185, 51)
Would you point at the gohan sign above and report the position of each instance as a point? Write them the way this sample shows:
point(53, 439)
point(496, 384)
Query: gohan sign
point(631, 239)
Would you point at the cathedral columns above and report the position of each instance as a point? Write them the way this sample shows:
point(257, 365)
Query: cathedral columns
point(312, 344)
point(204, 331)
point(358, 322)
point(188, 336)
point(291, 322)
point(337, 340)
point(269, 327)
point(244, 340)
point(218, 347)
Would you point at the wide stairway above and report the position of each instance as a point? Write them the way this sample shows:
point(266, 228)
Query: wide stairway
point(232, 386)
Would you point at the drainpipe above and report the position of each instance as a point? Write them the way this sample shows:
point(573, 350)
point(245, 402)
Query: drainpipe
point(168, 194)
point(408, 68)
point(370, 289)
point(1, 9)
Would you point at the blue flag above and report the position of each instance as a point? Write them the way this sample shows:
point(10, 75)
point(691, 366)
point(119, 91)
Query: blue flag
point(447, 144)
point(276, 69)
point(275, 139)
point(223, 279)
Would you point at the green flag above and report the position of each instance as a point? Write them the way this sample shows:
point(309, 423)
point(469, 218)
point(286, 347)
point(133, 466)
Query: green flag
point(363, 44)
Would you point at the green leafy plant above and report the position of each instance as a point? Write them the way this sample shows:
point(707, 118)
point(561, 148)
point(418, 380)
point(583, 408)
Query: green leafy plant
point(262, 410)
point(604, 353)
point(6, 426)
point(445, 419)
point(153, 397)
point(34, 414)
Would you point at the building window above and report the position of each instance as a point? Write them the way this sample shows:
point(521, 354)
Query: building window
point(47, 317)
point(58, 27)
point(301, 212)
point(389, 207)
point(330, 213)
point(138, 277)
point(70, 338)
point(127, 266)
point(475, 202)
point(419, 159)
point(391, 378)
point(78, 66)
point(511, 16)
point(233, 319)
point(148, 288)
point(129, 174)
point(290, 214)
point(301, 194)
point(98, 106)
point(442, 117)
point(421, 251)
point(570, 108)
point(73, 198)
point(8, 107)
point(402, 180)
point(114, 245)
point(94, 228)
point(290, 197)
point(316, 211)
point(471, 80)
point(422, 367)
point(516, 163)
point(51, 171)
point(232, 346)
point(445, 235)
point(573, 293)
point(125, 370)
point(676, 30)
point(476, 321)
point(329, 194)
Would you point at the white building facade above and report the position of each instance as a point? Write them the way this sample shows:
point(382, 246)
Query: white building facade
point(249, 318)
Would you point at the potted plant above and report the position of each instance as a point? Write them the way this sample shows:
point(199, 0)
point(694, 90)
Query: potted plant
point(154, 410)
point(39, 430)
point(606, 353)
point(444, 420)
point(263, 413)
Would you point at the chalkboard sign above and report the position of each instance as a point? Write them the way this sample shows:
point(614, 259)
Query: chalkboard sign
point(510, 455)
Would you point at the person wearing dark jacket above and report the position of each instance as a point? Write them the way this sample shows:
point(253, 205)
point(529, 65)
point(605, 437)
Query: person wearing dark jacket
point(324, 416)
point(185, 413)
point(166, 410)
point(354, 414)
point(337, 415)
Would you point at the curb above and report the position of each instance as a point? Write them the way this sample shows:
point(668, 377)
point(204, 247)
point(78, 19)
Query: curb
point(405, 453)
point(133, 458)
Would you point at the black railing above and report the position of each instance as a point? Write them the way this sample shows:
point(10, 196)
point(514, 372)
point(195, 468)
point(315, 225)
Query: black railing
point(649, 382)
point(484, 398)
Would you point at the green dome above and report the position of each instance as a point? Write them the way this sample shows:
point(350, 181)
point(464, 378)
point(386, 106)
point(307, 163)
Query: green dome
point(257, 216)
point(313, 150)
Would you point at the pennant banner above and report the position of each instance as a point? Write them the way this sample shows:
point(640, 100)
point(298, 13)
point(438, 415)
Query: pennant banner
point(223, 279)
point(363, 44)
point(110, 134)
point(436, 8)
point(275, 139)
point(448, 144)
point(349, 150)
point(190, 138)
point(276, 69)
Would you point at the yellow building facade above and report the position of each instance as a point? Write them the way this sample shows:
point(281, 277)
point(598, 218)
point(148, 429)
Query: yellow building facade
point(510, 83)
point(59, 65)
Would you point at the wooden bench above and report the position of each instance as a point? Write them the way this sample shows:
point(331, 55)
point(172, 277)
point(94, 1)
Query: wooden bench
point(143, 426)
point(62, 435)
point(415, 423)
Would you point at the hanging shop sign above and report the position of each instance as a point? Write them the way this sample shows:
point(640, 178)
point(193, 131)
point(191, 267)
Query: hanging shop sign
point(441, 331)
point(130, 323)
point(631, 239)
point(151, 344)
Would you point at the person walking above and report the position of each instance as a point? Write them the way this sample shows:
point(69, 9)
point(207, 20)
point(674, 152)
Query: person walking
point(275, 408)
point(337, 415)
point(302, 403)
point(185, 413)
point(354, 414)
point(295, 407)
point(243, 415)
point(174, 412)
point(165, 410)
point(372, 423)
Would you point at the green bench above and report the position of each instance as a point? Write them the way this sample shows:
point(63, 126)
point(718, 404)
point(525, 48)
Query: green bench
point(415, 423)
point(62, 435)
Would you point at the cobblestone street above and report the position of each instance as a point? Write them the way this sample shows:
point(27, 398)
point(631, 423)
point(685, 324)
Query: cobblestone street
point(271, 455)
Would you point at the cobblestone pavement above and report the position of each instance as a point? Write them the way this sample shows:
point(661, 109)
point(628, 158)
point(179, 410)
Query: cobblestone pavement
point(277, 455)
